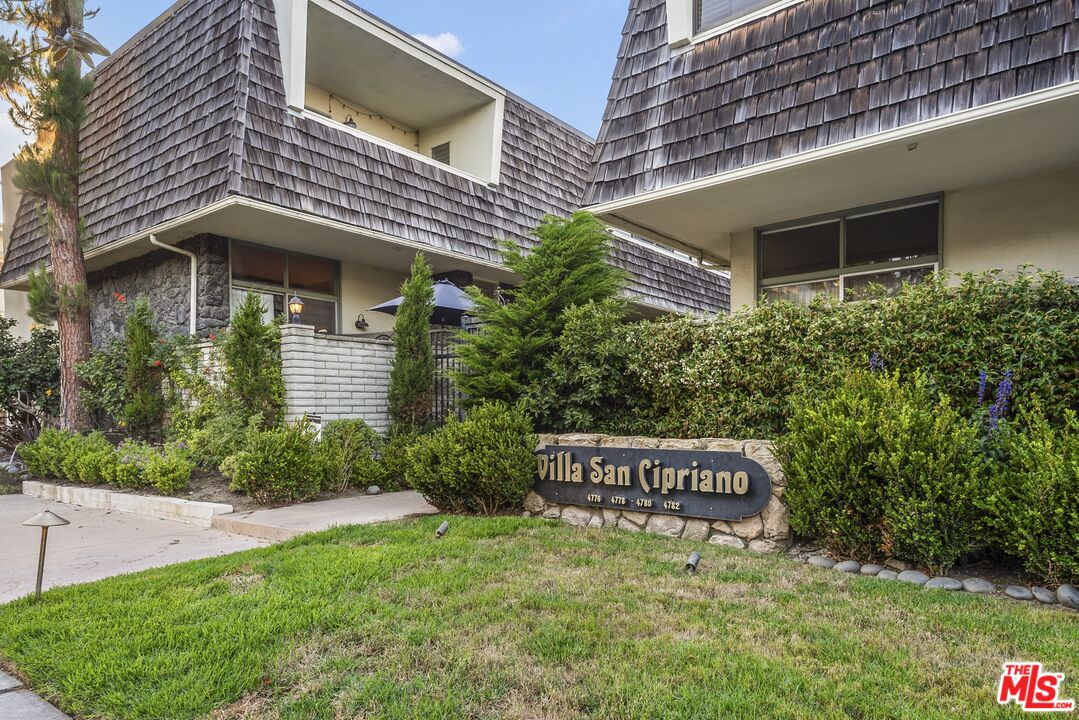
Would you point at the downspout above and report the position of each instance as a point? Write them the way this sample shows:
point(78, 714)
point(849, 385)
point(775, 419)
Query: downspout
point(192, 315)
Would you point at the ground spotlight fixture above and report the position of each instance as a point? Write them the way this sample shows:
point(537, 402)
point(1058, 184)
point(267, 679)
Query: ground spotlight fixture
point(442, 529)
point(691, 564)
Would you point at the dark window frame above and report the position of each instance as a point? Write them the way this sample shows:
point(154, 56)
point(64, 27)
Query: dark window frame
point(845, 270)
point(286, 290)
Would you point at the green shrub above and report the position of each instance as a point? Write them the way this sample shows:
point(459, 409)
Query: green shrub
point(350, 455)
point(733, 376)
point(169, 470)
point(880, 466)
point(412, 377)
point(277, 466)
point(131, 457)
point(394, 456)
point(507, 359)
point(1034, 506)
point(221, 436)
point(83, 459)
point(251, 354)
point(45, 456)
point(482, 464)
point(831, 491)
point(930, 461)
point(144, 411)
point(587, 374)
point(29, 372)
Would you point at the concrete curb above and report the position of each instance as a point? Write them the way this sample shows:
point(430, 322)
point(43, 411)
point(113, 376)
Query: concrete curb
point(164, 508)
point(240, 526)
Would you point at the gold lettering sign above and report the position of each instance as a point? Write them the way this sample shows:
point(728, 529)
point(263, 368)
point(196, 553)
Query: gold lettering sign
point(718, 485)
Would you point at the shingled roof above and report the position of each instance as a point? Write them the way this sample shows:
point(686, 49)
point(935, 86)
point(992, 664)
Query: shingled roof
point(195, 111)
point(814, 74)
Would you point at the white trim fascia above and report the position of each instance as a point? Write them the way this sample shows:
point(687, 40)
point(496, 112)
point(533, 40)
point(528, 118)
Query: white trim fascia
point(312, 115)
point(237, 201)
point(906, 132)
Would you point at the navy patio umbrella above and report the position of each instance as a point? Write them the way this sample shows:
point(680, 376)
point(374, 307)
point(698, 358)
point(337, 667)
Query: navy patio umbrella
point(451, 304)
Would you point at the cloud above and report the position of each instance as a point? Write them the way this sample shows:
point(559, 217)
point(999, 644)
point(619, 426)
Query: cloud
point(446, 43)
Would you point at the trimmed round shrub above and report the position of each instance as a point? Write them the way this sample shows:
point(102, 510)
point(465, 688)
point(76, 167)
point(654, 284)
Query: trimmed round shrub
point(350, 453)
point(1034, 506)
point(277, 466)
point(45, 456)
point(168, 471)
point(880, 466)
point(484, 464)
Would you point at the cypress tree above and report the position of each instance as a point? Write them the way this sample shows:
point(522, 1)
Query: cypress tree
point(507, 360)
point(412, 376)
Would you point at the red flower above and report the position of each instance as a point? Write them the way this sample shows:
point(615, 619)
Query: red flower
point(119, 297)
point(157, 363)
point(212, 336)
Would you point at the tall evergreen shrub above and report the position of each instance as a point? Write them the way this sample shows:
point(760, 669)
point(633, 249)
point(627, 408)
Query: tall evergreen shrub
point(507, 360)
point(251, 353)
point(144, 411)
point(412, 375)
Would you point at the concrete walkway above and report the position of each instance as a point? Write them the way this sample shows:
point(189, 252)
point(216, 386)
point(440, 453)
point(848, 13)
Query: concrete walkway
point(288, 522)
point(97, 544)
point(18, 702)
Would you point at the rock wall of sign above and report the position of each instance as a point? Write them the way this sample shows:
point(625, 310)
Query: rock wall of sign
point(617, 482)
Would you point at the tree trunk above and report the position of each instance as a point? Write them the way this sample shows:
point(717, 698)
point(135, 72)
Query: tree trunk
point(65, 247)
point(73, 318)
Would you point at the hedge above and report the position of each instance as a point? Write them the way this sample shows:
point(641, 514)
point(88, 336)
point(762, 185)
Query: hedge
point(734, 376)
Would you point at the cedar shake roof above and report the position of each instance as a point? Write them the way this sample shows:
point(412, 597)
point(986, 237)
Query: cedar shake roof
point(195, 112)
point(817, 73)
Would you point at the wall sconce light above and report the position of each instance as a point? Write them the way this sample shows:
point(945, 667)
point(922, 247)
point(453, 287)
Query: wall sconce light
point(295, 308)
point(693, 562)
point(361, 323)
point(349, 122)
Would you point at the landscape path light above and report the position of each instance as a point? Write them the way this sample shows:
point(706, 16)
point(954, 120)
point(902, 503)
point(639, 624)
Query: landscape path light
point(693, 562)
point(442, 529)
point(44, 520)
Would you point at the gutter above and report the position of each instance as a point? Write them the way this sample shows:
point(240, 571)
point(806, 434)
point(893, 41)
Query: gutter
point(192, 314)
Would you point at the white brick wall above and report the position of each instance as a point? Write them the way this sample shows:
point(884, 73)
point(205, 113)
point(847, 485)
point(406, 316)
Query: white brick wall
point(335, 376)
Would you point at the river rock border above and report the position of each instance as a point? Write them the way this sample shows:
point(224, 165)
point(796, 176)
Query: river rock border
point(767, 532)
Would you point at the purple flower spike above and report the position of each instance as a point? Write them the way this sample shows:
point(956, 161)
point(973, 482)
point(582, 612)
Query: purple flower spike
point(982, 377)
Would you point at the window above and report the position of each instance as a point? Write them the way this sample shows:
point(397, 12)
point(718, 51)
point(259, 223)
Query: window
point(713, 13)
point(276, 275)
point(847, 255)
point(441, 153)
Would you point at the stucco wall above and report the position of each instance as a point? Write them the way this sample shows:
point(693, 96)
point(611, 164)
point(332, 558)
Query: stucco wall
point(335, 377)
point(363, 287)
point(1032, 220)
point(13, 304)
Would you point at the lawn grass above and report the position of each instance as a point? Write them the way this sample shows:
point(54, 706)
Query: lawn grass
point(521, 618)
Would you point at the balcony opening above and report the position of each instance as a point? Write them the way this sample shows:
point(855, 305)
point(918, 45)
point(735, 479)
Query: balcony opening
point(373, 80)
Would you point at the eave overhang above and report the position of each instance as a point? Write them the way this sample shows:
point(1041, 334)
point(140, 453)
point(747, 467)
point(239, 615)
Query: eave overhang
point(1027, 135)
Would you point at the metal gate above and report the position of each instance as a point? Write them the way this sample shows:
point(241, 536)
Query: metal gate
point(447, 401)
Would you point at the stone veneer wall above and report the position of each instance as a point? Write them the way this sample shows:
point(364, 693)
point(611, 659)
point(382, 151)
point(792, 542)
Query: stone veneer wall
point(336, 376)
point(165, 278)
point(766, 532)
